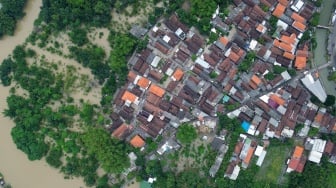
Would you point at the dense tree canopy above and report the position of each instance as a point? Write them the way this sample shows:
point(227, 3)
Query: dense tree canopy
point(10, 12)
point(186, 133)
point(110, 153)
point(63, 13)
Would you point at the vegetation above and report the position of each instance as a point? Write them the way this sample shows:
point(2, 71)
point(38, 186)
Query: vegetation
point(314, 175)
point(10, 13)
point(110, 153)
point(247, 62)
point(186, 133)
point(315, 20)
point(60, 14)
point(330, 100)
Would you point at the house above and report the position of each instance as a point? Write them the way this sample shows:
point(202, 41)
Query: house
point(317, 150)
point(297, 161)
point(156, 90)
point(130, 98)
point(178, 74)
point(122, 132)
point(137, 141)
point(232, 170)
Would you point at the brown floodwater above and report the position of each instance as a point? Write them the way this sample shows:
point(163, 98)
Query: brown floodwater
point(14, 165)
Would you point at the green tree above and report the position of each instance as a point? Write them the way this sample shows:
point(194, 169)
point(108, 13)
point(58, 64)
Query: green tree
point(110, 153)
point(186, 133)
point(54, 157)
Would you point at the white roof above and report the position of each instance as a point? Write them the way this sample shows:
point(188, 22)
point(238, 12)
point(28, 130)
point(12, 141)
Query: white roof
point(315, 156)
point(264, 98)
point(235, 173)
point(203, 63)
point(261, 158)
point(155, 28)
point(296, 7)
point(285, 75)
point(258, 150)
point(315, 87)
point(166, 38)
point(319, 145)
point(253, 44)
point(156, 61)
point(179, 31)
point(169, 71)
point(282, 24)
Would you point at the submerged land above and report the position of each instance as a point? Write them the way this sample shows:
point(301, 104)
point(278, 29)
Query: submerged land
point(168, 93)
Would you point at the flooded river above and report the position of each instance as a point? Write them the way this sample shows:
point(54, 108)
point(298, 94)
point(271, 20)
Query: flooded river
point(17, 169)
point(320, 53)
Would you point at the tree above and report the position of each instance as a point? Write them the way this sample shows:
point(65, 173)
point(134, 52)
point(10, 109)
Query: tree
point(186, 133)
point(78, 36)
point(5, 71)
point(110, 153)
point(330, 101)
point(54, 157)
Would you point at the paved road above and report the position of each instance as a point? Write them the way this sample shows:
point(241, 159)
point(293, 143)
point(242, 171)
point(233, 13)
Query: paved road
point(296, 78)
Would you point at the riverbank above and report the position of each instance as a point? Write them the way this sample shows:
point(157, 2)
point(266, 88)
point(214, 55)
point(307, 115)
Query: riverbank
point(14, 164)
point(320, 53)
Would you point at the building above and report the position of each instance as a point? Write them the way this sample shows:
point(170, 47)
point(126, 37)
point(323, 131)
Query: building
point(297, 161)
point(314, 86)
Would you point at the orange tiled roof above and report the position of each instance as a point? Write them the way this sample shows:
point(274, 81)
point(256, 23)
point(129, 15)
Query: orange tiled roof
point(128, 96)
point(298, 18)
point(234, 57)
point(300, 26)
point(278, 99)
point(131, 76)
point(256, 79)
point(276, 43)
point(298, 152)
point(279, 10)
point(178, 74)
point(288, 39)
point(118, 133)
point(249, 155)
point(156, 90)
point(300, 62)
point(285, 47)
point(289, 55)
point(143, 82)
point(137, 141)
point(224, 40)
point(260, 28)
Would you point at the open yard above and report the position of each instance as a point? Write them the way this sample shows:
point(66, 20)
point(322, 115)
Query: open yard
point(274, 163)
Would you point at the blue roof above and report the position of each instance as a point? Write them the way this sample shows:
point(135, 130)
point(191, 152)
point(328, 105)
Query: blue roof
point(226, 99)
point(245, 125)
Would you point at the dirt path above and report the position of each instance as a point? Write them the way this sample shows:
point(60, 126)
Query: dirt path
point(14, 164)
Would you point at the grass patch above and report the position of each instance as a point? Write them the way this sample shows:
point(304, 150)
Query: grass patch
point(273, 164)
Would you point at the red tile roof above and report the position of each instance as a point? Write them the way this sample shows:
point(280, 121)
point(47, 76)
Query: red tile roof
point(137, 141)
point(300, 26)
point(300, 62)
point(156, 90)
point(279, 10)
point(298, 18)
point(178, 74)
point(224, 40)
point(256, 79)
point(143, 82)
point(298, 152)
point(128, 96)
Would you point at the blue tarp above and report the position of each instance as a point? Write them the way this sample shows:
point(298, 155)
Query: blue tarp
point(226, 99)
point(245, 125)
